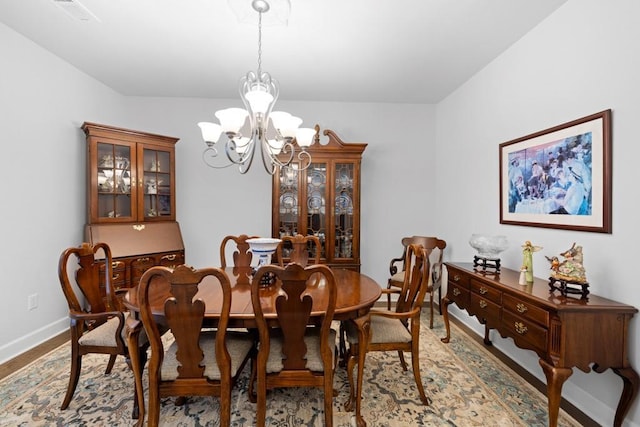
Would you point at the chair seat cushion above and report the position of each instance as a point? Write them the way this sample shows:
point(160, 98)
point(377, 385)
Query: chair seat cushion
point(105, 334)
point(314, 358)
point(383, 330)
point(239, 345)
point(397, 279)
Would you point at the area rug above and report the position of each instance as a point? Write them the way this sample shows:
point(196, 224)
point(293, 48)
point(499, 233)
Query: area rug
point(466, 386)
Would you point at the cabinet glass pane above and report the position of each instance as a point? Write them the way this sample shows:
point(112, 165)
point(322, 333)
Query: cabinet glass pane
point(344, 219)
point(289, 208)
point(316, 204)
point(114, 180)
point(157, 183)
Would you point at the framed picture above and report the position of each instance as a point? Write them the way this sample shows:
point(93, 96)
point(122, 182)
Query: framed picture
point(559, 177)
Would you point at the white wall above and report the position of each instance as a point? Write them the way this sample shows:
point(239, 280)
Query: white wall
point(44, 102)
point(583, 59)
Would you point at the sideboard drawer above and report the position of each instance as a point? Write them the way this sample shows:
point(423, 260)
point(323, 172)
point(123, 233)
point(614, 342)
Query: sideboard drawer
point(526, 310)
point(458, 294)
point(484, 309)
point(486, 292)
point(526, 334)
point(458, 278)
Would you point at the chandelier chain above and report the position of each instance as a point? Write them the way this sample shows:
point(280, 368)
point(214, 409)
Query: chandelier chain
point(259, 46)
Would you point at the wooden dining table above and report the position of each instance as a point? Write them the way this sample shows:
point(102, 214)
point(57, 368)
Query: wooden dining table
point(356, 294)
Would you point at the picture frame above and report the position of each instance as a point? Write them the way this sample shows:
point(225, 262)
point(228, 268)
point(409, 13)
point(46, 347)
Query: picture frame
point(559, 177)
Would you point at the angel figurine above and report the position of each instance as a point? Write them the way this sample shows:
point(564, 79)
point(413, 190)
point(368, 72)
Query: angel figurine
point(527, 259)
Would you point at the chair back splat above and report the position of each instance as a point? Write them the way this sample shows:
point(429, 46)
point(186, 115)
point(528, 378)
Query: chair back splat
point(435, 249)
point(299, 249)
point(297, 345)
point(242, 256)
point(197, 363)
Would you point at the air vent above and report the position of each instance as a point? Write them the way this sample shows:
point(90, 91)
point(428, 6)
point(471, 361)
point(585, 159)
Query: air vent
point(76, 10)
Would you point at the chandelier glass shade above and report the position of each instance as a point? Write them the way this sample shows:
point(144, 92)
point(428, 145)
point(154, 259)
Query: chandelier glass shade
point(275, 134)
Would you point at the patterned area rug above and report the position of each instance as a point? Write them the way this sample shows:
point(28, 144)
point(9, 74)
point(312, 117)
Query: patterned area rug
point(466, 386)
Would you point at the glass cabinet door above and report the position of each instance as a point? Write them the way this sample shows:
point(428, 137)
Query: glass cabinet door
point(157, 198)
point(344, 212)
point(114, 177)
point(288, 213)
point(317, 205)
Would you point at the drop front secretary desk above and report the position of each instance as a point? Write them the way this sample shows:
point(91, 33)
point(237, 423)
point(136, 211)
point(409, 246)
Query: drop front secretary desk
point(131, 200)
point(565, 332)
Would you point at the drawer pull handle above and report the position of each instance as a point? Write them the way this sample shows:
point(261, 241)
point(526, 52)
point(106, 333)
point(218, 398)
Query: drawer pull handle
point(521, 328)
point(145, 259)
point(456, 292)
point(169, 257)
point(483, 303)
point(138, 227)
point(521, 308)
point(456, 278)
point(115, 277)
point(483, 290)
point(115, 264)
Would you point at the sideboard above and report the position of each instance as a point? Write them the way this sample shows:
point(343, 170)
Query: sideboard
point(565, 331)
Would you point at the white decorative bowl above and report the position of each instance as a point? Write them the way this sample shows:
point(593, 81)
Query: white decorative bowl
point(488, 246)
point(264, 247)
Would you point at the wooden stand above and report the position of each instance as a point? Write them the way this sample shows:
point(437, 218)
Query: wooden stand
point(486, 263)
point(568, 287)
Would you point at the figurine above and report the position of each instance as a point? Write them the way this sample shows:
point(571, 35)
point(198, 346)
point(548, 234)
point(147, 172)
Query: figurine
point(571, 269)
point(527, 259)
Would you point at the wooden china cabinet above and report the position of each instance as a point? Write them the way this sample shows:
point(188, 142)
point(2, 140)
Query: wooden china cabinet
point(131, 199)
point(322, 200)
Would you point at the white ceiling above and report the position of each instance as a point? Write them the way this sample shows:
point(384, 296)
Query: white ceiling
point(401, 51)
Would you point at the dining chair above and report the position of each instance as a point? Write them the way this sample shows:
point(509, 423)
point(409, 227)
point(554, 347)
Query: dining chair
point(97, 317)
point(242, 256)
point(435, 248)
point(298, 249)
point(291, 352)
point(197, 362)
point(397, 330)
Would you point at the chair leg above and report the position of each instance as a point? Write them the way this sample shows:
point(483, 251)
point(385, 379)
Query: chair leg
point(225, 405)
point(415, 364)
point(351, 361)
point(153, 417)
point(431, 310)
point(328, 399)
point(261, 409)
point(76, 367)
point(252, 380)
point(112, 361)
point(402, 361)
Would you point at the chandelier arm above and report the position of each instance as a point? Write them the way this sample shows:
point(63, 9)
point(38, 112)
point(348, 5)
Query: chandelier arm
point(213, 153)
point(304, 159)
point(269, 161)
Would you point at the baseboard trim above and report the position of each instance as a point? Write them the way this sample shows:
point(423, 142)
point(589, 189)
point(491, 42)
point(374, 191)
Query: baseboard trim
point(18, 347)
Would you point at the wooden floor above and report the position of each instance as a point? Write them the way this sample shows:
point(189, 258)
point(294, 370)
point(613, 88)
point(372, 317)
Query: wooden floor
point(55, 342)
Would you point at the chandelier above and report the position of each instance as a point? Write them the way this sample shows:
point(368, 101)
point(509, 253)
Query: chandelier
point(227, 146)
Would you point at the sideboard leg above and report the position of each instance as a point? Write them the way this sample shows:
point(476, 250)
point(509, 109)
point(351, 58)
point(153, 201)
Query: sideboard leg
point(629, 392)
point(445, 317)
point(487, 341)
point(555, 379)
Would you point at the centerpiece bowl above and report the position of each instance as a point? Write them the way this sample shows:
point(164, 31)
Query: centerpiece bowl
point(264, 248)
point(487, 246)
